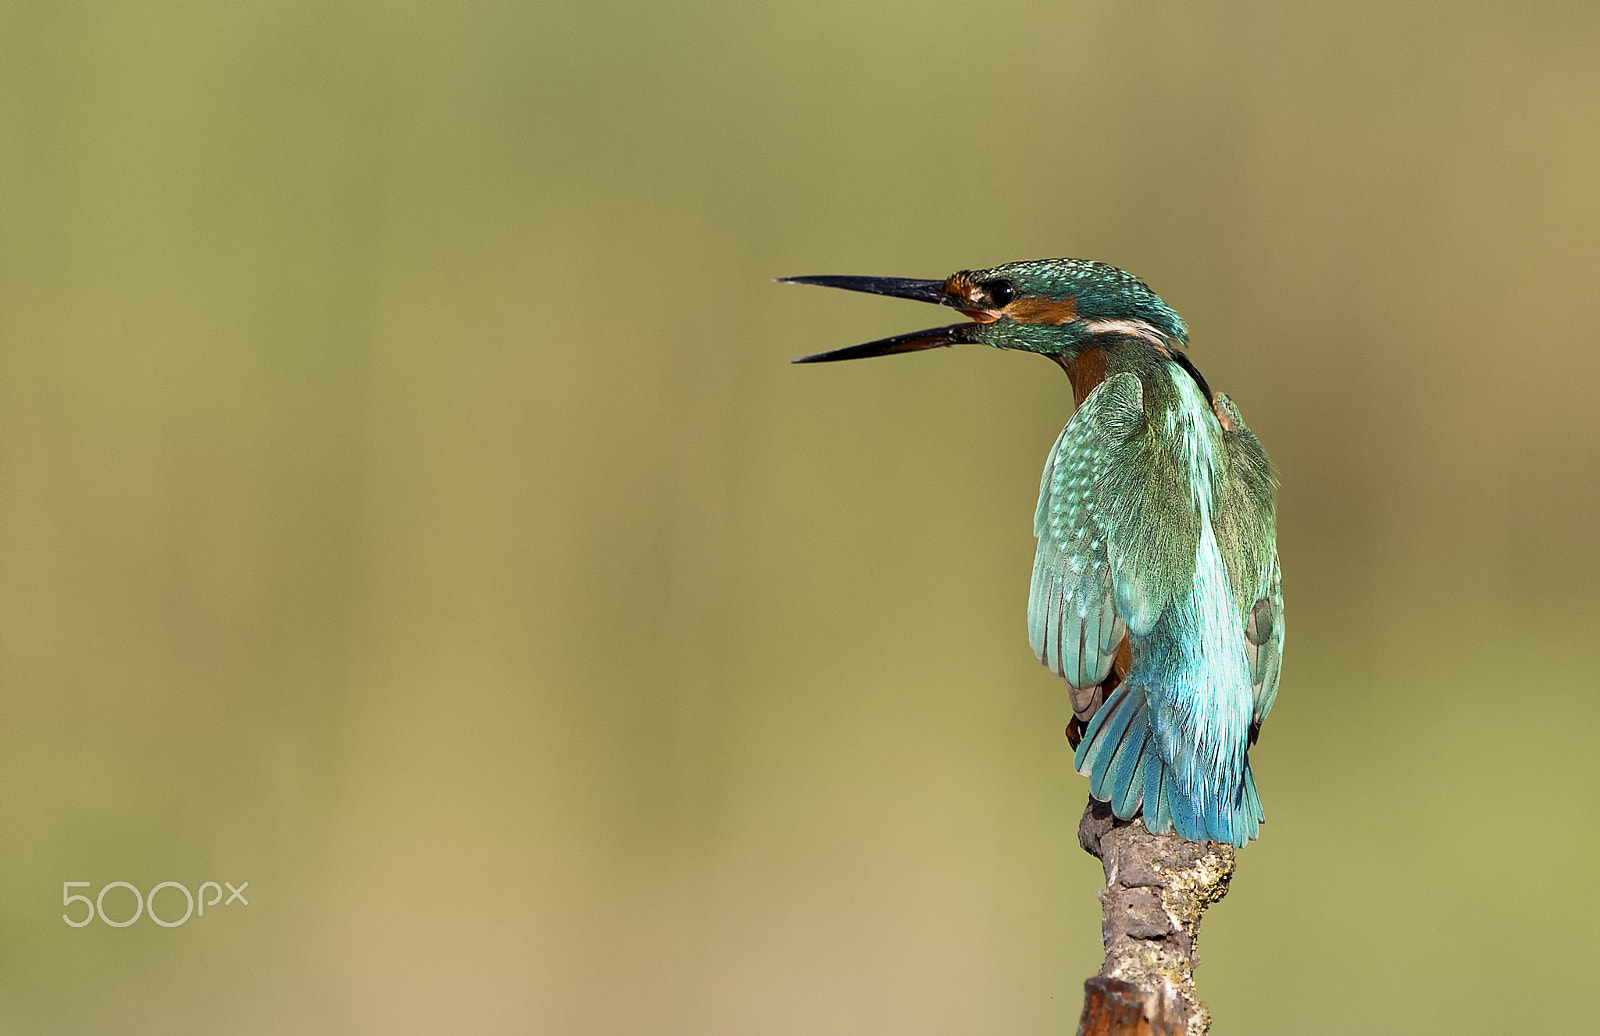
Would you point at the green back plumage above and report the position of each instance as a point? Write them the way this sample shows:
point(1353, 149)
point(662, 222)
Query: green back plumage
point(1156, 521)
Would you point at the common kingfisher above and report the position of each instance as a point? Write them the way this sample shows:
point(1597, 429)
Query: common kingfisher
point(1156, 592)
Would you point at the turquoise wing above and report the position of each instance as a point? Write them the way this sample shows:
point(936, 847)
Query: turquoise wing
point(1263, 645)
point(1247, 531)
point(1073, 623)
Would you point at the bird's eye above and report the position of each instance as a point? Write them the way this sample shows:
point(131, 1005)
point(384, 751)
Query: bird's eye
point(1000, 293)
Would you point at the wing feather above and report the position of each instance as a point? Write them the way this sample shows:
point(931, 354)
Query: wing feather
point(1248, 531)
point(1074, 622)
point(1263, 643)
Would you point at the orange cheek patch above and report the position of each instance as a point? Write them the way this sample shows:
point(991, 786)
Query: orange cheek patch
point(1042, 311)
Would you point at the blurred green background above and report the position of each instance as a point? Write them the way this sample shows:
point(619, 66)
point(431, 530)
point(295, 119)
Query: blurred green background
point(406, 507)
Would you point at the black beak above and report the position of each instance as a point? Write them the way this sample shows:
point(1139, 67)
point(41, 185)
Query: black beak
point(895, 287)
point(916, 341)
point(898, 287)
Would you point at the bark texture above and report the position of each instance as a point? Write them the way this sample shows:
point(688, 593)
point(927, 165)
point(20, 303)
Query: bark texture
point(1157, 886)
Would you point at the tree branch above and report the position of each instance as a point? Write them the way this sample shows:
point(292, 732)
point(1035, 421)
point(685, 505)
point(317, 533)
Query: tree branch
point(1157, 886)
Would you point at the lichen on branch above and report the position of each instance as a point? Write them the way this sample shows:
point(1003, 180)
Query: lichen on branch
point(1157, 888)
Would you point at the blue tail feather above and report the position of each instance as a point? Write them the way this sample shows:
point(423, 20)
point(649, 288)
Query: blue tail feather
point(1113, 741)
point(1093, 744)
point(1129, 792)
point(1122, 757)
point(1136, 738)
point(1249, 816)
point(1186, 819)
point(1155, 798)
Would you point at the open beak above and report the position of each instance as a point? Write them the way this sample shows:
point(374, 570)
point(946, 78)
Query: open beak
point(900, 288)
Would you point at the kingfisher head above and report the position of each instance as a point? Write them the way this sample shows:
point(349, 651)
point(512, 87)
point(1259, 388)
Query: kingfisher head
point(1055, 307)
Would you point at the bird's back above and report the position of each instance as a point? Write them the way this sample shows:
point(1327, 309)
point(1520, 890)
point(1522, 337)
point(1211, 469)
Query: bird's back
point(1155, 522)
